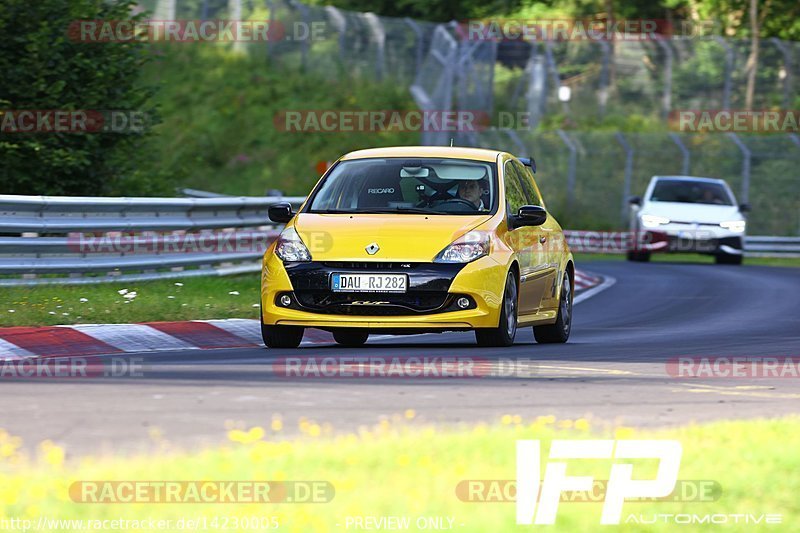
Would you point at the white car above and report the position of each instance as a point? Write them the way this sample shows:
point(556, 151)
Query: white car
point(697, 215)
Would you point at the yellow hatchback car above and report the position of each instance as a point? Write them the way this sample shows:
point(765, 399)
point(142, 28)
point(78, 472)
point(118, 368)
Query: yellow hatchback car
point(411, 240)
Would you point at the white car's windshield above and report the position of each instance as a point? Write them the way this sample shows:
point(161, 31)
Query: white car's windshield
point(690, 192)
point(408, 186)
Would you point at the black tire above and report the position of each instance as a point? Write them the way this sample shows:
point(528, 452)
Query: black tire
point(350, 337)
point(729, 259)
point(639, 257)
point(503, 335)
point(558, 332)
point(282, 336)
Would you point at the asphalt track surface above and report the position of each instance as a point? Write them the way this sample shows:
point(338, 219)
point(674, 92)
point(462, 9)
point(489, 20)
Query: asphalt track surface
point(613, 370)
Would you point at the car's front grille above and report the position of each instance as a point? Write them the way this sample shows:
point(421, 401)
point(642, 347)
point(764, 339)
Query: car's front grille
point(411, 303)
point(711, 224)
point(367, 265)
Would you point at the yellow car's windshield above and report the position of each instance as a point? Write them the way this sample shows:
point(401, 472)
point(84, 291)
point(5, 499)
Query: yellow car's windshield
point(408, 186)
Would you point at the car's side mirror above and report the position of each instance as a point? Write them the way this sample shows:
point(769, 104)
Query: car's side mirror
point(635, 200)
point(744, 208)
point(280, 213)
point(530, 215)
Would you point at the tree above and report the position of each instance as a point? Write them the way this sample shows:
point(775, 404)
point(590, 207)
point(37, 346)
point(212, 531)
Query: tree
point(45, 68)
point(752, 60)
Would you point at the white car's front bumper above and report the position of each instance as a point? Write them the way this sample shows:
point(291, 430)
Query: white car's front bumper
point(699, 238)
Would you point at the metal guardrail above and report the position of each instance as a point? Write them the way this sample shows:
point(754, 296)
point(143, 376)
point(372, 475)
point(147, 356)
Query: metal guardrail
point(765, 246)
point(78, 240)
point(92, 240)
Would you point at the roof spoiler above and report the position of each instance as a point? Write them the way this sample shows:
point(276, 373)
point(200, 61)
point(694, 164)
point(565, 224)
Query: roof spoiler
point(528, 162)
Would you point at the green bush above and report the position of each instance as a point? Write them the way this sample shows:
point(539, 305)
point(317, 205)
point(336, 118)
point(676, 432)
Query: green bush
point(45, 68)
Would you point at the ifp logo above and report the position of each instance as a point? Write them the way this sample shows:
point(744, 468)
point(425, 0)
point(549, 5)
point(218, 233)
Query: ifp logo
point(621, 484)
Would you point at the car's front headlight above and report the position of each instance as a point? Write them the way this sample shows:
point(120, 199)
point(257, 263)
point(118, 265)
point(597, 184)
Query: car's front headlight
point(736, 226)
point(653, 221)
point(290, 247)
point(465, 249)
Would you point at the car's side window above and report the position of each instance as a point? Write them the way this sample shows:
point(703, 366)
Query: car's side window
point(515, 195)
point(527, 184)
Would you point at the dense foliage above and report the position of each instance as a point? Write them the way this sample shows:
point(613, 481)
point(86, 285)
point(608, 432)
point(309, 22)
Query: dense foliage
point(44, 67)
point(779, 18)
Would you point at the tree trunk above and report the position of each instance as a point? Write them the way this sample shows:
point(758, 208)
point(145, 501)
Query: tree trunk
point(612, 67)
point(752, 60)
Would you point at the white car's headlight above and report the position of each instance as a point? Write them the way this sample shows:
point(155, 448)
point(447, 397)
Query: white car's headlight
point(465, 249)
point(653, 221)
point(736, 226)
point(290, 247)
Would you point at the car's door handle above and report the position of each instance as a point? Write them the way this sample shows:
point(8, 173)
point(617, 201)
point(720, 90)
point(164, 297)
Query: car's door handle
point(542, 239)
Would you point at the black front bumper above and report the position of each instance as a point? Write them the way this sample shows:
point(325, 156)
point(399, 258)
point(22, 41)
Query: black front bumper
point(427, 292)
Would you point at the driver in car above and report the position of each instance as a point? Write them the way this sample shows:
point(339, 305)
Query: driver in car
point(470, 191)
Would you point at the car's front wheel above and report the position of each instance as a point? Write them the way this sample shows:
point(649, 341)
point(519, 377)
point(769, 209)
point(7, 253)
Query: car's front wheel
point(350, 337)
point(506, 330)
point(558, 332)
point(729, 259)
point(281, 336)
point(638, 257)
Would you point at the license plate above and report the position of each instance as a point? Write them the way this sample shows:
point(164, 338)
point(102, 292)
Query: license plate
point(369, 282)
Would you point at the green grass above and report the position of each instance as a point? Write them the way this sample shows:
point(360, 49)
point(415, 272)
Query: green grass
point(398, 470)
point(219, 109)
point(197, 298)
point(690, 258)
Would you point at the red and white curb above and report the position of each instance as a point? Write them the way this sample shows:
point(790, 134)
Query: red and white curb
point(109, 339)
point(585, 280)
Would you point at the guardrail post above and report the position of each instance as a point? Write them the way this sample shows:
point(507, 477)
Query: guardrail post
point(786, 72)
point(684, 150)
point(626, 188)
point(571, 167)
point(747, 155)
point(537, 88)
point(417, 41)
point(666, 97)
point(730, 57)
point(340, 23)
point(602, 88)
point(165, 10)
point(379, 34)
point(553, 66)
point(235, 14)
point(304, 14)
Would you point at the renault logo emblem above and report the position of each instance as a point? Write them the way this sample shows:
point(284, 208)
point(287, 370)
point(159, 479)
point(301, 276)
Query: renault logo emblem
point(373, 248)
